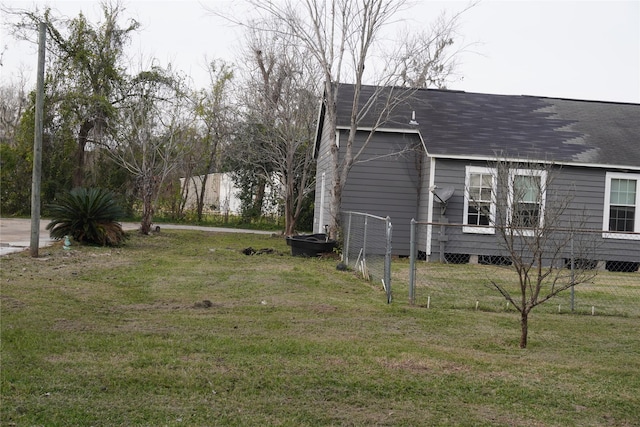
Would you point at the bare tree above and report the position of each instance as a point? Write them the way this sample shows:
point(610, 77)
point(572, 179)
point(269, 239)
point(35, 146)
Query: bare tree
point(537, 224)
point(13, 102)
point(151, 132)
point(427, 58)
point(281, 109)
point(342, 36)
point(214, 112)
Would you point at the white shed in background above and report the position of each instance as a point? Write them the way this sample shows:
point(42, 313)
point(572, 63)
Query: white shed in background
point(220, 193)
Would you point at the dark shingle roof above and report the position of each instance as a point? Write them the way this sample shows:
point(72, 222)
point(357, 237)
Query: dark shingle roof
point(474, 125)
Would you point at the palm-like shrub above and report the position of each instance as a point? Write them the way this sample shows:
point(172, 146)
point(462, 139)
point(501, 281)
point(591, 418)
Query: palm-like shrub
point(89, 216)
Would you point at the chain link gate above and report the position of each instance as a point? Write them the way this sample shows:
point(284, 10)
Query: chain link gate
point(367, 247)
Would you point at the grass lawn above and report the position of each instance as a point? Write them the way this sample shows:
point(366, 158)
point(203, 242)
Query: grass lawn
point(182, 328)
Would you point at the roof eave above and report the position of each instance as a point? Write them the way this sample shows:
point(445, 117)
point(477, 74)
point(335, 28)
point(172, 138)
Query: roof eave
point(529, 160)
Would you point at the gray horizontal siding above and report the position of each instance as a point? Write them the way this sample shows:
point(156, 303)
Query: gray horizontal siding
point(385, 183)
point(583, 187)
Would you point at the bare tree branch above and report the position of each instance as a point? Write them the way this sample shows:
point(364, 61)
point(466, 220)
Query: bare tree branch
point(536, 222)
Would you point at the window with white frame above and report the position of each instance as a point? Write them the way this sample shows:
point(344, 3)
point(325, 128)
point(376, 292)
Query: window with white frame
point(479, 200)
point(621, 206)
point(527, 194)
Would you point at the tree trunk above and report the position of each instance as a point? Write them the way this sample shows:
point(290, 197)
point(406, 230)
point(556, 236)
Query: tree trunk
point(524, 328)
point(209, 170)
point(147, 205)
point(289, 214)
point(336, 191)
point(257, 203)
point(147, 217)
point(290, 224)
point(200, 202)
point(334, 209)
point(83, 136)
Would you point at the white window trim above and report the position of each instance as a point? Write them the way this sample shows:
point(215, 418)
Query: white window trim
point(543, 196)
point(607, 201)
point(492, 209)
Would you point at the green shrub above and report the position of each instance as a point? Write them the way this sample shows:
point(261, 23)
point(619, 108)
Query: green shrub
point(88, 216)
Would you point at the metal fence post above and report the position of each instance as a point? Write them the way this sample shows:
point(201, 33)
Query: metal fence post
point(573, 276)
point(387, 261)
point(364, 244)
point(442, 238)
point(346, 241)
point(412, 262)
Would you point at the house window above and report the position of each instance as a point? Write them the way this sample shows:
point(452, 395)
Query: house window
point(526, 198)
point(479, 200)
point(622, 199)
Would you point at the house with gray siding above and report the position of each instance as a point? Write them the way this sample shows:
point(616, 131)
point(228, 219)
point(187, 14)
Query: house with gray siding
point(439, 141)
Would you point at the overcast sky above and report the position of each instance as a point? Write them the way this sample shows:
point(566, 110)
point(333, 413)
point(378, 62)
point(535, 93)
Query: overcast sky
point(566, 49)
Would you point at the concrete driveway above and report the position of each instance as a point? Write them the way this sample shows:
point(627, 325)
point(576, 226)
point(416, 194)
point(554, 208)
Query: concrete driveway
point(15, 233)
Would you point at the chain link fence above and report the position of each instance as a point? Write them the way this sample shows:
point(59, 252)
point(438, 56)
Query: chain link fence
point(367, 247)
point(603, 284)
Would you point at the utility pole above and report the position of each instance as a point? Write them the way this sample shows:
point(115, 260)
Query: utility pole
point(37, 145)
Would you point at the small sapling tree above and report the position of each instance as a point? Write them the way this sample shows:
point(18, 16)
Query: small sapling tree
point(536, 222)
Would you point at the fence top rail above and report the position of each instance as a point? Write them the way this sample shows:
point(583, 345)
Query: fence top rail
point(497, 227)
point(367, 215)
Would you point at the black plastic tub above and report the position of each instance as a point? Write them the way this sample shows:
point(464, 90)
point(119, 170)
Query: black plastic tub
point(310, 245)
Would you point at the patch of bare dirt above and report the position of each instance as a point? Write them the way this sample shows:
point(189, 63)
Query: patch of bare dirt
point(10, 303)
point(407, 364)
point(67, 325)
point(323, 308)
point(497, 417)
point(168, 306)
point(415, 364)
